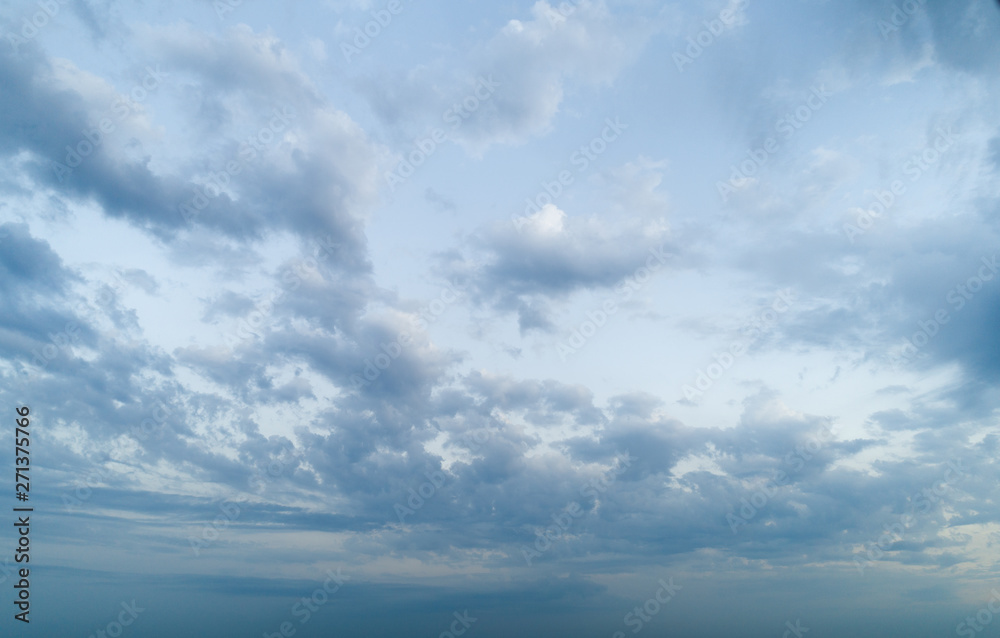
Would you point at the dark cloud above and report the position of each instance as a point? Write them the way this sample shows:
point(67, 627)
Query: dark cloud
point(315, 193)
point(549, 256)
point(346, 429)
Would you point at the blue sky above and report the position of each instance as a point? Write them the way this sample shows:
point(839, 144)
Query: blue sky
point(595, 318)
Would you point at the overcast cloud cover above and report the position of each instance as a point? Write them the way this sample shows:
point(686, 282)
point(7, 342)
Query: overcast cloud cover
point(601, 318)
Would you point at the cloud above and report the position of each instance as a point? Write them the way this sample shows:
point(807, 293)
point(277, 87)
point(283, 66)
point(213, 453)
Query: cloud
point(534, 61)
point(317, 186)
point(274, 347)
point(550, 256)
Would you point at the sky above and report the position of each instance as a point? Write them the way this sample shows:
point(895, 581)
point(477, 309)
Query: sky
point(597, 318)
